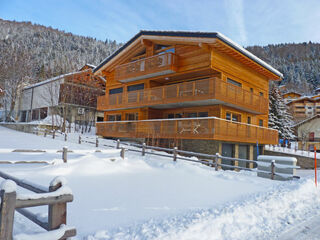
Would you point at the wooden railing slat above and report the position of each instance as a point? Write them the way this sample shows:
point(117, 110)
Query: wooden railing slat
point(44, 201)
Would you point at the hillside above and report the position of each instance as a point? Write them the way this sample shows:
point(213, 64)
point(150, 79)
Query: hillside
point(52, 52)
point(300, 63)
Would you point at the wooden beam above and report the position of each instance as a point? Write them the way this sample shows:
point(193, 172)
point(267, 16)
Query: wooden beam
point(146, 42)
point(205, 47)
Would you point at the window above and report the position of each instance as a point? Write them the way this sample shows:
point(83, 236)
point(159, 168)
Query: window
point(234, 82)
point(261, 94)
point(115, 91)
point(249, 120)
point(203, 114)
point(116, 117)
point(178, 115)
point(131, 116)
point(35, 114)
point(43, 113)
point(236, 118)
point(251, 90)
point(233, 116)
point(260, 122)
point(191, 115)
point(135, 87)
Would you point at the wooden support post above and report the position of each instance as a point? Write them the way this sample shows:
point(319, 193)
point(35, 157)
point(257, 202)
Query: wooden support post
point(216, 162)
point(8, 205)
point(143, 149)
point(79, 139)
point(65, 137)
point(45, 133)
point(97, 142)
point(118, 144)
point(175, 153)
point(122, 153)
point(57, 212)
point(64, 154)
point(54, 134)
point(272, 169)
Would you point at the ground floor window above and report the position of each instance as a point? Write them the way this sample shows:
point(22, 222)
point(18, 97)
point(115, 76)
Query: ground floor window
point(23, 116)
point(115, 117)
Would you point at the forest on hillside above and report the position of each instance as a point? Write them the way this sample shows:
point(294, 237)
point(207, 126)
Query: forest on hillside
point(50, 52)
point(299, 63)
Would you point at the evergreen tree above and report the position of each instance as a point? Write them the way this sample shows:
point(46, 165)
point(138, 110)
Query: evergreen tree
point(279, 115)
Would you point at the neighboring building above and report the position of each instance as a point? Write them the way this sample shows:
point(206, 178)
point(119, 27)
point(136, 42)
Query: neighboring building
point(72, 95)
point(308, 133)
point(304, 107)
point(177, 87)
point(290, 96)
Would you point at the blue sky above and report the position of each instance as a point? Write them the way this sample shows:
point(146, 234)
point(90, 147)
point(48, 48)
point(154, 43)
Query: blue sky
point(248, 22)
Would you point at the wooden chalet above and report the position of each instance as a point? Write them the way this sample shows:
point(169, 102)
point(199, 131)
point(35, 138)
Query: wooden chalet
point(178, 87)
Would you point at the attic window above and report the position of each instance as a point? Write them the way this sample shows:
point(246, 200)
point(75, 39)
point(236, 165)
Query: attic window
point(164, 49)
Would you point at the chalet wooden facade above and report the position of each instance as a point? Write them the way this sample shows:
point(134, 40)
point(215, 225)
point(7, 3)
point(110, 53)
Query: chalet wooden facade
point(182, 86)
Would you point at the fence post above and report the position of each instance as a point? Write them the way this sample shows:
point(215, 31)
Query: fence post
point(45, 133)
point(272, 169)
point(143, 149)
point(97, 142)
point(54, 134)
point(122, 153)
point(65, 137)
point(118, 144)
point(57, 214)
point(175, 153)
point(64, 154)
point(8, 205)
point(79, 139)
point(216, 162)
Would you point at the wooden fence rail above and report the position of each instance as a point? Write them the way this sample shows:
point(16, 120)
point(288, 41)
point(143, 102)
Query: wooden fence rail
point(56, 197)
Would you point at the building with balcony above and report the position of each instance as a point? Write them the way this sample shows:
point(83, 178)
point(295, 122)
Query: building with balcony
point(198, 91)
point(72, 96)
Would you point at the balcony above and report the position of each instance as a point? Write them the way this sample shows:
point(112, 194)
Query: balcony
point(147, 67)
point(210, 128)
point(187, 94)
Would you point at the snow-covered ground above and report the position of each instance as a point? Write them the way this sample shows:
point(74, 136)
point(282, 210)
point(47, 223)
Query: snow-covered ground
point(153, 197)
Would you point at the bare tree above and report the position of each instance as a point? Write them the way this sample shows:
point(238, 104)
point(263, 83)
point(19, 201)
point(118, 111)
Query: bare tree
point(15, 73)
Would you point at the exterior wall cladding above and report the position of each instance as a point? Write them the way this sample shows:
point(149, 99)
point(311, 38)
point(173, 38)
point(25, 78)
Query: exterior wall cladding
point(198, 91)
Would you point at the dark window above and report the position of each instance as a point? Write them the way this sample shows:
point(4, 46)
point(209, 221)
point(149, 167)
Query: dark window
point(43, 113)
point(23, 116)
point(251, 90)
point(115, 91)
point(135, 87)
point(261, 94)
point(35, 114)
point(228, 116)
point(170, 115)
point(234, 82)
point(131, 116)
point(116, 117)
point(249, 120)
point(260, 122)
point(191, 115)
point(203, 114)
point(99, 119)
point(236, 118)
point(178, 115)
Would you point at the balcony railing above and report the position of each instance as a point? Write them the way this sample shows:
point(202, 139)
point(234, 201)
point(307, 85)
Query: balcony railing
point(209, 128)
point(147, 67)
point(206, 90)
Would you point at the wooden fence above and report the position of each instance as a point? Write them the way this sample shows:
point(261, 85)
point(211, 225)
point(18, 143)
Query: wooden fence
point(55, 197)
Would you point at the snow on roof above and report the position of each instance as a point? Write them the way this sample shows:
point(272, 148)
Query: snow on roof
point(218, 35)
point(90, 65)
point(51, 80)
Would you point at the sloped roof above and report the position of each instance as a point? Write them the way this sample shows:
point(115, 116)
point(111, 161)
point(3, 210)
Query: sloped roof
point(307, 120)
point(217, 35)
